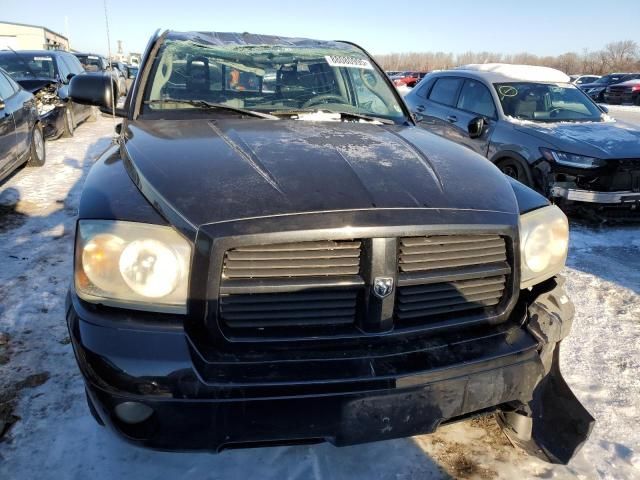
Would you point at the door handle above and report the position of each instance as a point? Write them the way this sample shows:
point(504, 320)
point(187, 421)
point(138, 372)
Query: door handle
point(452, 118)
point(420, 108)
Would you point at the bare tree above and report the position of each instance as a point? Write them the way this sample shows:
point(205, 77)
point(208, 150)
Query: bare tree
point(616, 56)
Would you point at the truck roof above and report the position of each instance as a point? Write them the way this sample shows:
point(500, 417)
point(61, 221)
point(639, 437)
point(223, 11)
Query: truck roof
point(246, 38)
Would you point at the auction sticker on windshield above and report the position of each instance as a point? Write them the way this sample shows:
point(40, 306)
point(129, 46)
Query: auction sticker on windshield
point(349, 62)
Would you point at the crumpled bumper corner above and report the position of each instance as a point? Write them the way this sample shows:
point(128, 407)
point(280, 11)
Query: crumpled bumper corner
point(554, 425)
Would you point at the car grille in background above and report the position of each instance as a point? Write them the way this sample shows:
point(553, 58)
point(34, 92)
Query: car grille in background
point(450, 273)
point(302, 259)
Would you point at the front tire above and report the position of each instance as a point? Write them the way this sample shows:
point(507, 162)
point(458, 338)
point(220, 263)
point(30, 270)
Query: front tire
point(38, 152)
point(516, 170)
point(68, 123)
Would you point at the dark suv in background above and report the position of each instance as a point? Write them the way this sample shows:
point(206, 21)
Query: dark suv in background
point(537, 128)
point(46, 73)
point(597, 89)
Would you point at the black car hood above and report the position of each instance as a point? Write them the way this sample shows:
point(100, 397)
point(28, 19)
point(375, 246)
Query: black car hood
point(606, 140)
point(35, 84)
point(215, 171)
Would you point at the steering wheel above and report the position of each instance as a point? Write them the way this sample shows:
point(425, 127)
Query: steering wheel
point(322, 99)
point(553, 113)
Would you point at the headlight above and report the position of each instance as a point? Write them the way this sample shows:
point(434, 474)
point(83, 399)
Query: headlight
point(571, 160)
point(544, 241)
point(132, 265)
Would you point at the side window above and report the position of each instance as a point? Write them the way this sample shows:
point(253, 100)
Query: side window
point(476, 98)
point(73, 64)
point(423, 88)
point(445, 90)
point(6, 89)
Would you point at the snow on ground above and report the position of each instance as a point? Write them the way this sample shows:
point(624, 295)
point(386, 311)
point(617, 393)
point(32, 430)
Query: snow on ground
point(623, 108)
point(55, 437)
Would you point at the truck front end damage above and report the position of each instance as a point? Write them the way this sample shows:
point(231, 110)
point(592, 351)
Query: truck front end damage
point(185, 399)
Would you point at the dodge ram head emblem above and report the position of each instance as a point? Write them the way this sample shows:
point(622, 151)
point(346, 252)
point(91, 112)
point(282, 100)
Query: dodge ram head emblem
point(382, 286)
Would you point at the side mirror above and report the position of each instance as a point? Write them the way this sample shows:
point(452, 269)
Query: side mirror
point(476, 127)
point(92, 89)
point(604, 108)
point(417, 117)
point(70, 76)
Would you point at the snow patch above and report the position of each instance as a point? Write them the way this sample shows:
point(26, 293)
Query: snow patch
point(504, 72)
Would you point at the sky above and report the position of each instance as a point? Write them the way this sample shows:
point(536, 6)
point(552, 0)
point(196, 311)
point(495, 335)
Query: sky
point(541, 27)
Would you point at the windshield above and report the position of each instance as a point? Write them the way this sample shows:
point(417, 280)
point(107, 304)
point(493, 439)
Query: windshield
point(610, 79)
point(270, 79)
point(90, 63)
point(21, 66)
point(547, 102)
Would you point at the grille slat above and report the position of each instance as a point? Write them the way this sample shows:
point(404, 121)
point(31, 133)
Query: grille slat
point(461, 262)
point(452, 255)
point(444, 274)
point(450, 293)
point(478, 299)
point(439, 311)
point(460, 285)
point(277, 310)
point(286, 260)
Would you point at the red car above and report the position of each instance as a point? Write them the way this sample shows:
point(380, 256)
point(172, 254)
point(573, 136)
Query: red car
point(410, 79)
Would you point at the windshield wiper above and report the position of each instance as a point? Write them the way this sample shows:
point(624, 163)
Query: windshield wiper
point(211, 106)
point(343, 115)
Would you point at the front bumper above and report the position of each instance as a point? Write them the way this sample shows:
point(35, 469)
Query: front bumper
point(620, 98)
point(589, 196)
point(512, 369)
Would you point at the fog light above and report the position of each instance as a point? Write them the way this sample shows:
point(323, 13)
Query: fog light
point(133, 412)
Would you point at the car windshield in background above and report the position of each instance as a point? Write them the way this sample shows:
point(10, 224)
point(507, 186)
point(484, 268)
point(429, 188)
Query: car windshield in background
point(90, 63)
point(270, 79)
point(546, 102)
point(21, 66)
point(610, 79)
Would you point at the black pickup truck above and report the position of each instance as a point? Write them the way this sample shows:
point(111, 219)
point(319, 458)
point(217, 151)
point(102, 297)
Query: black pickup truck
point(273, 253)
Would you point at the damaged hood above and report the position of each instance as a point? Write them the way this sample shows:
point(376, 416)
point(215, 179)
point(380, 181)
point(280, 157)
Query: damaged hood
point(35, 84)
point(219, 170)
point(606, 140)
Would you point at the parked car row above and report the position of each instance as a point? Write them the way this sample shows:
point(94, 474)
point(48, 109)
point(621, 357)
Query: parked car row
point(407, 79)
point(615, 88)
point(35, 104)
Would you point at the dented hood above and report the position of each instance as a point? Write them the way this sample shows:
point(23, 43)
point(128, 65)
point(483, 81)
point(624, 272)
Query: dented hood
point(219, 170)
point(35, 84)
point(606, 140)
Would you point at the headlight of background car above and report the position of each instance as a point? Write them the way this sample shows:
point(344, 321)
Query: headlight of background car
point(544, 240)
point(132, 265)
point(571, 160)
